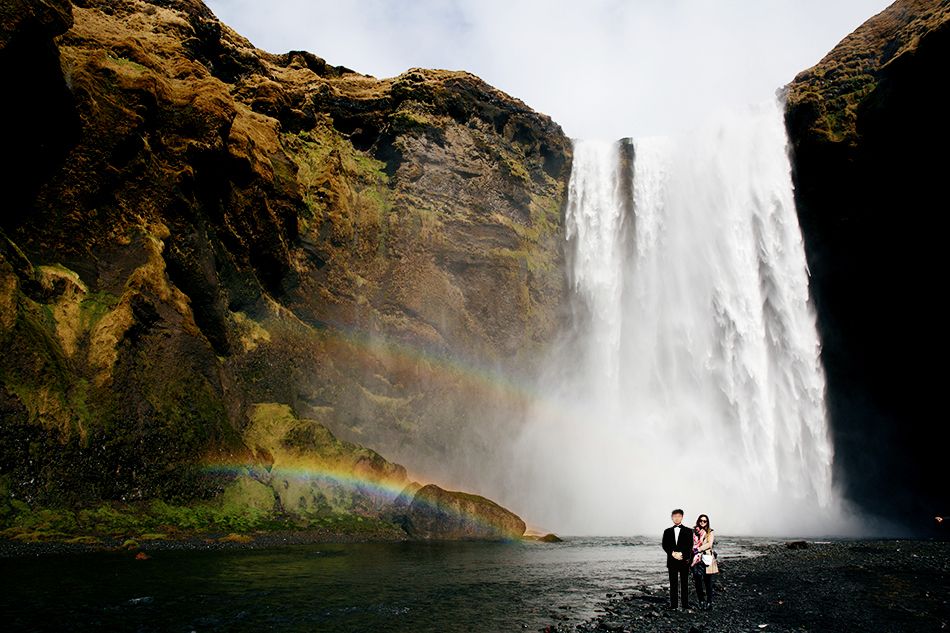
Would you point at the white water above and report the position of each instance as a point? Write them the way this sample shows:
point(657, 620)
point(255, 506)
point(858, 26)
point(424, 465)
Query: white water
point(691, 377)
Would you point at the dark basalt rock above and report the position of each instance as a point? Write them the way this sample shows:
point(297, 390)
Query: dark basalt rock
point(43, 122)
point(869, 131)
point(793, 590)
point(437, 514)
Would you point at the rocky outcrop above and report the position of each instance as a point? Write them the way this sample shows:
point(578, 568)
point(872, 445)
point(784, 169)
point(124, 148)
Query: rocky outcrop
point(869, 132)
point(437, 514)
point(193, 226)
point(310, 473)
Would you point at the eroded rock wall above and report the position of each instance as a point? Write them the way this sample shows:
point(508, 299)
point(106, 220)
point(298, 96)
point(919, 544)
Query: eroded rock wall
point(193, 225)
point(869, 132)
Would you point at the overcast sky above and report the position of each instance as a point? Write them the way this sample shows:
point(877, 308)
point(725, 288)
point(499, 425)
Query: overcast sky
point(600, 68)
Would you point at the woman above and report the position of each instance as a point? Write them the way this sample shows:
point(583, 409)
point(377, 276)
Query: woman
point(703, 538)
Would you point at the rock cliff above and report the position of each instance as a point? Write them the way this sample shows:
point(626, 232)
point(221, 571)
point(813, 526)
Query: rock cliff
point(193, 226)
point(869, 131)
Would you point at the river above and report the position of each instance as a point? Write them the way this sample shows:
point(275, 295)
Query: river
point(416, 587)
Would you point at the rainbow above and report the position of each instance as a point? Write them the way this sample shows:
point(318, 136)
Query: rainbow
point(399, 361)
point(350, 346)
point(318, 474)
point(385, 492)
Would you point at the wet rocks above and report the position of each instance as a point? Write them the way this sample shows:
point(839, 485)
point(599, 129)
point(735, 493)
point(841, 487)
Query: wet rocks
point(437, 514)
point(863, 585)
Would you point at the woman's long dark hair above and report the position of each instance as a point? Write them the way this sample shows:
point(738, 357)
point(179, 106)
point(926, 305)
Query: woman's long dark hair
point(708, 527)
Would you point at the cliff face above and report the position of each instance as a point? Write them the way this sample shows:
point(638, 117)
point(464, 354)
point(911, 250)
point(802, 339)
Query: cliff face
point(193, 226)
point(870, 131)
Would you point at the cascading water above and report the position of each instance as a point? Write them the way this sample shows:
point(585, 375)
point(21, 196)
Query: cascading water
point(691, 377)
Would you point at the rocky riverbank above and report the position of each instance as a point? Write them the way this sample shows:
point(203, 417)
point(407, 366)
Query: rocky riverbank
point(844, 586)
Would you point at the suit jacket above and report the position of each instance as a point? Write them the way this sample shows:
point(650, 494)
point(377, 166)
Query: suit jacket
point(684, 545)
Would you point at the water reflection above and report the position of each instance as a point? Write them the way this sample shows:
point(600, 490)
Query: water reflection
point(354, 587)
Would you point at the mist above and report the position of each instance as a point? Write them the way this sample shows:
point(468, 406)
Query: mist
point(690, 376)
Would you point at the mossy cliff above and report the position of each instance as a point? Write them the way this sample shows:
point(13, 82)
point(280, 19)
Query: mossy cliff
point(869, 130)
point(300, 477)
point(192, 226)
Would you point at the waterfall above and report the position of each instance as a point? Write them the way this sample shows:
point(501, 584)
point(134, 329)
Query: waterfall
point(691, 375)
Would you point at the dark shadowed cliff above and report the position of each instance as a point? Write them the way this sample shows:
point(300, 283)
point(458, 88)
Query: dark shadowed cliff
point(870, 132)
point(193, 228)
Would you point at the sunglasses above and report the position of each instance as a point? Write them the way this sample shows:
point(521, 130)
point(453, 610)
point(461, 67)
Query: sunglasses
point(703, 521)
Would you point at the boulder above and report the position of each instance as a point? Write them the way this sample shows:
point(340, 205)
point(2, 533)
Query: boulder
point(437, 514)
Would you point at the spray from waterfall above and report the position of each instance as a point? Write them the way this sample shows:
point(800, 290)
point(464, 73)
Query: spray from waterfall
point(691, 375)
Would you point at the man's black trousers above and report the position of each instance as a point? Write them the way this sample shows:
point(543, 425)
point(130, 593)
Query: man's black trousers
point(679, 579)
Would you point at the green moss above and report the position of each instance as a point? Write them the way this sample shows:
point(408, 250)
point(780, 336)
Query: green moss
point(516, 169)
point(544, 224)
point(336, 180)
point(35, 369)
point(125, 62)
point(34, 536)
point(411, 120)
point(94, 306)
point(246, 495)
point(111, 519)
point(134, 523)
point(84, 540)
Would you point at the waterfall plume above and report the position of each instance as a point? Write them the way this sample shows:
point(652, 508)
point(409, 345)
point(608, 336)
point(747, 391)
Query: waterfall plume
point(690, 376)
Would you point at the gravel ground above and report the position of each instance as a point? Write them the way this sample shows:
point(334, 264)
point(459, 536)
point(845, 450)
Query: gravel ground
point(887, 586)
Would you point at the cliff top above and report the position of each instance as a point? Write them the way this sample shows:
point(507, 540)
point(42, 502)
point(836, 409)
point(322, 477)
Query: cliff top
point(166, 35)
point(840, 81)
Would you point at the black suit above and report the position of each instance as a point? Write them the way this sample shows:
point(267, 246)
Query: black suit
point(679, 569)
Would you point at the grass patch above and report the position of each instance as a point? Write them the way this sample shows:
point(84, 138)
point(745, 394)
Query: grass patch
point(236, 538)
point(132, 524)
point(94, 306)
point(125, 62)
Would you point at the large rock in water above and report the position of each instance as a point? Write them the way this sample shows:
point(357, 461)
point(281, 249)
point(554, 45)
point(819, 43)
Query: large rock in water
point(439, 514)
point(869, 128)
point(192, 226)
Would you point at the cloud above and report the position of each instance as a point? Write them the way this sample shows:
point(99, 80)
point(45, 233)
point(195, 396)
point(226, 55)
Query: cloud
point(601, 68)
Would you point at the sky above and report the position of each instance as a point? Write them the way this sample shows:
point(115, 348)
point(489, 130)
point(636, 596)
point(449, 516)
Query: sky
point(600, 68)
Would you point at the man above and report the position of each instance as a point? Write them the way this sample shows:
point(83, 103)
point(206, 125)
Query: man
point(678, 545)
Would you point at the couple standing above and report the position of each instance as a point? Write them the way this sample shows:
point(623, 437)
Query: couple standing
point(690, 550)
